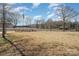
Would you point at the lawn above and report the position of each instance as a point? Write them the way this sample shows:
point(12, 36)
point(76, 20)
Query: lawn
point(44, 43)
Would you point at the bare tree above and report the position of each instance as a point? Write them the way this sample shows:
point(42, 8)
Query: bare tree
point(76, 23)
point(15, 19)
point(65, 13)
point(7, 16)
point(28, 20)
point(37, 23)
point(4, 18)
point(49, 23)
point(40, 22)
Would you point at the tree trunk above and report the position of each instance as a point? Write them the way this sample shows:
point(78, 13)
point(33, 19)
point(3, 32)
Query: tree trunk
point(63, 24)
point(76, 26)
point(3, 22)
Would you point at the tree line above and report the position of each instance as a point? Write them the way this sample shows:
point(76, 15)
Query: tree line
point(68, 18)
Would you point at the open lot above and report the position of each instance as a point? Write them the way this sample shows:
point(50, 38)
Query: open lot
point(41, 43)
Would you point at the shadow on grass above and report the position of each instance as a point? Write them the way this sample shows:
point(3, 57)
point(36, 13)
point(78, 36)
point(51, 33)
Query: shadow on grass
point(18, 49)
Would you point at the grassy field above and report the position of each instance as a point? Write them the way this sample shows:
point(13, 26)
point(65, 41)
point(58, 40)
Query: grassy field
point(42, 43)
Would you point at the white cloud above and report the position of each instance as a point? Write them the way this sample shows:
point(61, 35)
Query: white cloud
point(48, 12)
point(55, 8)
point(34, 5)
point(50, 15)
point(11, 3)
point(20, 9)
point(59, 17)
point(53, 5)
point(37, 17)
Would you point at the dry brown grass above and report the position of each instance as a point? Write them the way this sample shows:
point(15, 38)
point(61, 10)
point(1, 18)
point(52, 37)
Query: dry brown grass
point(47, 43)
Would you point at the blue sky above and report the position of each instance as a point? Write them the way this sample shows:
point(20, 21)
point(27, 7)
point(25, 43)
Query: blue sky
point(45, 10)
